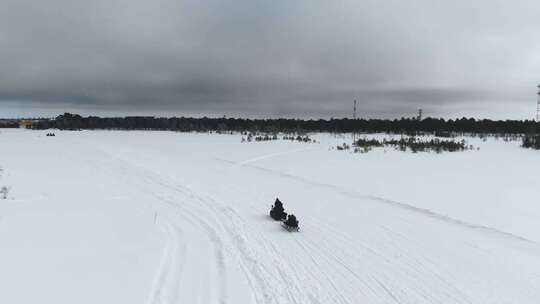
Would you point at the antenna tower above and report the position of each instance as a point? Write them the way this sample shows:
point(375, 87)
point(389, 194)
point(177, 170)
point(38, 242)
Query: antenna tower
point(354, 119)
point(538, 105)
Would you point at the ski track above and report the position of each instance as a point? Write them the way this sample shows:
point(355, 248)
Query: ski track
point(173, 220)
point(270, 155)
point(167, 273)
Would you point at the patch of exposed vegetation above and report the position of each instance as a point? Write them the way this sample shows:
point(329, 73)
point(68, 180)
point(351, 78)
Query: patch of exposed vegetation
point(258, 137)
point(254, 136)
point(298, 138)
point(531, 141)
point(342, 147)
point(412, 144)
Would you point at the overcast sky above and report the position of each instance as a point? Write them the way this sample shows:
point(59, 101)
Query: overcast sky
point(290, 58)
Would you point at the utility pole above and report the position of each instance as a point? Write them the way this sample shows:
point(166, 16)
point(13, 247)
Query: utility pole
point(354, 120)
point(538, 105)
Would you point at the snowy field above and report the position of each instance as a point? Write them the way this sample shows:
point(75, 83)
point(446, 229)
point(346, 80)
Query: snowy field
point(164, 217)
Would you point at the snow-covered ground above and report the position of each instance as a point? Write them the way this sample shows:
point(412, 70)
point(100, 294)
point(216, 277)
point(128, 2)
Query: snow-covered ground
point(165, 217)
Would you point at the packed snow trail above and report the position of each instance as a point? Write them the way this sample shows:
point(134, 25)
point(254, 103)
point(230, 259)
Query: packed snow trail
point(218, 244)
point(326, 255)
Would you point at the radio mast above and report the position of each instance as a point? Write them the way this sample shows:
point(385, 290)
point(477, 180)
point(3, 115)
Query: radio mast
point(538, 105)
point(354, 119)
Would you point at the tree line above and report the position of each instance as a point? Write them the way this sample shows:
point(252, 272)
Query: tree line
point(410, 126)
point(9, 123)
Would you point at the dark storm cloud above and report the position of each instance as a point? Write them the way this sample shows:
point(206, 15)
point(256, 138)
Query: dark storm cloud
point(269, 58)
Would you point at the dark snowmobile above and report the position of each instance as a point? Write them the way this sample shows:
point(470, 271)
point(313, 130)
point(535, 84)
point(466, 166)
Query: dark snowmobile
point(277, 212)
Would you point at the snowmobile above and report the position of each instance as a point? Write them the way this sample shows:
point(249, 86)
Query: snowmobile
point(277, 212)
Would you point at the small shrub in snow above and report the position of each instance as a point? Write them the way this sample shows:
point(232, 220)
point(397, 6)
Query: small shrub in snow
point(531, 141)
point(4, 192)
point(343, 147)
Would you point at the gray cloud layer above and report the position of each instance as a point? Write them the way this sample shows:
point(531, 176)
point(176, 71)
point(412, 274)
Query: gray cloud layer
point(270, 58)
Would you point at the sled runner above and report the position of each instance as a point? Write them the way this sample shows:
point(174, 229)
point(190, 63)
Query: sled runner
point(290, 228)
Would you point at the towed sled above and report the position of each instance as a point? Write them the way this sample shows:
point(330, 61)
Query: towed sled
point(290, 228)
point(291, 224)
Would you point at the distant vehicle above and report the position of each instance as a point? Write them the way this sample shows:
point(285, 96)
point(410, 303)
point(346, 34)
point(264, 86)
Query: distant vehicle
point(277, 212)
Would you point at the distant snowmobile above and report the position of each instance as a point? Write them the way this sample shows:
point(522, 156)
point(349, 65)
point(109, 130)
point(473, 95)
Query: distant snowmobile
point(277, 212)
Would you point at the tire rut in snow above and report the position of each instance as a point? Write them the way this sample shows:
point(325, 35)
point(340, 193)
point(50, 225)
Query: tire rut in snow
point(167, 275)
point(167, 283)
